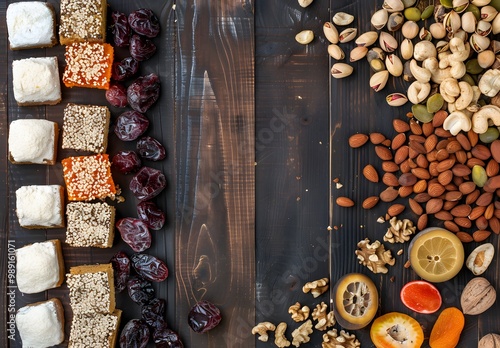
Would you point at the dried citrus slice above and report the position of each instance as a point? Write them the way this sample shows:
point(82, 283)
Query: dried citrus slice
point(396, 330)
point(421, 297)
point(356, 301)
point(436, 254)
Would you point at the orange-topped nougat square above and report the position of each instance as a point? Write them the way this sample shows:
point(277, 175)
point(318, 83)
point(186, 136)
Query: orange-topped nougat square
point(88, 177)
point(88, 65)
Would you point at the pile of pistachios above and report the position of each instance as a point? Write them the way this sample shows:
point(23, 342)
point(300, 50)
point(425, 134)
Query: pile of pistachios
point(448, 54)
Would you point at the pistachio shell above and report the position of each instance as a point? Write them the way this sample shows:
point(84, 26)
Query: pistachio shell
point(452, 21)
point(406, 49)
point(486, 59)
point(305, 3)
point(460, 6)
point(347, 35)
point(387, 42)
point(495, 25)
point(425, 34)
point(439, 13)
point(479, 43)
point(393, 5)
point(396, 99)
point(336, 52)
point(437, 30)
point(495, 46)
point(379, 19)
point(342, 18)
point(367, 39)
point(375, 53)
point(469, 22)
point(394, 65)
point(304, 37)
point(488, 13)
point(483, 28)
point(480, 2)
point(379, 80)
point(395, 21)
point(410, 29)
point(331, 32)
point(358, 53)
point(340, 70)
point(442, 46)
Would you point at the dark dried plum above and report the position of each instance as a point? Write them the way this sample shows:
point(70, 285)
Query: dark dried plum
point(130, 125)
point(151, 149)
point(126, 162)
point(204, 316)
point(143, 92)
point(153, 216)
point(166, 338)
point(135, 233)
point(124, 69)
point(144, 22)
point(147, 183)
point(135, 334)
point(140, 290)
point(121, 268)
point(149, 267)
point(121, 29)
point(153, 313)
point(140, 48)
point(116, 95)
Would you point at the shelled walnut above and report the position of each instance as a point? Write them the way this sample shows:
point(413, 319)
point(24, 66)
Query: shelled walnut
point(262, 329)
point(325, 319)
point(301, 334)
point(399, 231)
point(299, 313)
point(374, 256)
point(332, 339)
point(280, 340)
point(316, 287)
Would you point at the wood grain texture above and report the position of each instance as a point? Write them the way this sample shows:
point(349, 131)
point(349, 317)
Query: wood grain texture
point(215, 181)
point(356, 108)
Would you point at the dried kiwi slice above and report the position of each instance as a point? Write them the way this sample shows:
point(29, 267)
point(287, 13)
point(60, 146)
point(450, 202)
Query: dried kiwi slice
point(356, 301)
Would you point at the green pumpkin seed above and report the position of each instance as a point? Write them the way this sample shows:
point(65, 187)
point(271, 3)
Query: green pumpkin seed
point(435, 103)
point(475, 10)
point(473, 67)
point(490, 135)
point(427, 12)
point(479, 175)
point(469, 79)
point(495, 4)
point(412, 14)
point(447, 3)
point(420, 113)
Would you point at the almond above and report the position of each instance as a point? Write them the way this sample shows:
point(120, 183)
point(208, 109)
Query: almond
point(422, 221)
point(453, 196)
point(445, 177)
point(453, 146)
point(432, 156)
point(476, 212)
point(490, 210)
point(492, 168)
point(472, 197)
point(451, 187)
point(415, 206)
point(377, 138)
point(389, 179)
point(443, 215)
point(464, 141)
point(484, 199)
point(422, 197)
point(435, 189)
point(433, 168)
point(439, 117)
point(441, 145)
point(492, 184)
point(415, 128)
point(420, 186)
point(464, 237)
point(481, 223)
point(387, 143)
point(495, 150)
point(344, 202)
point(449, 205)
point(389, 194)
point(451, 226)
point(398, 141)
point(480, 151)
point(422, 161)
point(417, 147)
point(471, 162)
point(383, 153)
point(389, 166)
point(401, 154)
point(442, 154)
point(430, 143)
point(461, 156)
point(421, 173)
point(427, 129)
point(411, 163)
point(440, 132)
point(405, 191)
point(480, 235)
point(357, 140)
point(395, 209)
point(407, 179)
point(400, 126)
point(473, 137)
point(418, 138)
point(445, 164)
point(467, 187)
point(494, 224)
point(463, 222)
point(370, 173)
point(404, 167)
point(433, 205)
point(460, 170)
point(462, 210)
point(370, 202)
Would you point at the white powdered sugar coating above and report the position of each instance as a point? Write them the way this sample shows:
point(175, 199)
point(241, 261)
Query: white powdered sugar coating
point(36, 80)
point(32, 140)
point(37, 267)
point(30, 24)
point(38, 325)
point(39, 205)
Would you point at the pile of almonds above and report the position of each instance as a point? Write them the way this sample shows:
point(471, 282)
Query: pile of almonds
point(434, 170)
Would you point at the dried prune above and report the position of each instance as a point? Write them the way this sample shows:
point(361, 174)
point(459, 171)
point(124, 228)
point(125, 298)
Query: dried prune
point(153, 313)
point(135, 334)
point(144, 22)
point(166, 338)
point(147, 183)
point(143, 92)
point(126, 162)
point(140, 290)
point(140, 48)
point(204, 316)
point(116, 95)
point(130, 125)
point(153, 216)
point(124, 69)
point(121, 268)
point(151, 149)
point(135, 233)
point(121, 29)
point(149, 267)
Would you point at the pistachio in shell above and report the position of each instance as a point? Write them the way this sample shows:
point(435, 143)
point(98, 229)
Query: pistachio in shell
point(460, 6)
point(452, 22)
point(342, 18)
point(396, 99)
point(348, 35)
point(478, 296)
point(469, 22)
point(410, 29)
point(375, 53)
point(331, 33)
point(406, 49)
point(336, 52)
point(379, 19)
point(393, 5)
point(377, 65)
point(483, 28)
point(480, 258)
point(479, 43)
point(437, 30)
point(488, 13)
point(341, 70)
point(394, 65)
point(395, 21)
point(387, 42)
point(367, 39)
point(379, 80)
point(358, 53)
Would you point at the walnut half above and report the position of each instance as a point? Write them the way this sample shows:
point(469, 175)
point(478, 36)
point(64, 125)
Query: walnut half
point(333, 340)
point(399, 231)
point(280, 340)
point(325, 320)
point(316, 287)
point(374, 256)
point(299, 313)
point(262, 329)
point(301, 334)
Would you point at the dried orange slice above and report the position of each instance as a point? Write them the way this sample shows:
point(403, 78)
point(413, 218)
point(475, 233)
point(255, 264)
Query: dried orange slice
point(421, 297)
point(396, 330)
point(436, 255)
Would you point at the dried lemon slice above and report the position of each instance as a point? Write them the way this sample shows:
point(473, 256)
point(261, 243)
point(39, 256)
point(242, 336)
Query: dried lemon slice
point(436, 255)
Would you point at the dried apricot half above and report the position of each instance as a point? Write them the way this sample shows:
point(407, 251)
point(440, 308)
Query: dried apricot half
point(421, 297)
point(396, 330)
point(356, 301)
